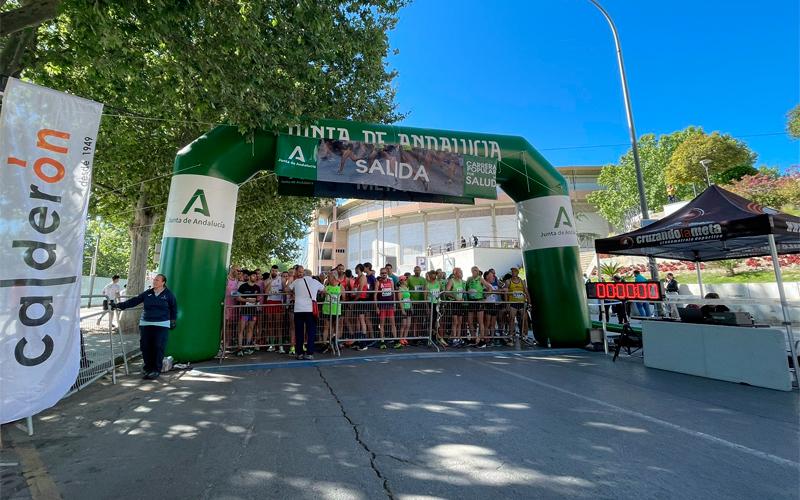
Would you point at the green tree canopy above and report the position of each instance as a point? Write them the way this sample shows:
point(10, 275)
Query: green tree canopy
point(722, 151)
point(169, 71)
point(735, 173)
point(620, 198)
point(793, 122)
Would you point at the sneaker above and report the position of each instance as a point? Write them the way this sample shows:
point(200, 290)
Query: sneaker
point(398, 345)
point(271, 348)
point(362, 348)
point(249, 351)
point(383, 345)
point(403, 342)
point(299, 357)
point(481, 345)
point(239, 353)
point(309, 357)
point(281, 350)
point(291, 351)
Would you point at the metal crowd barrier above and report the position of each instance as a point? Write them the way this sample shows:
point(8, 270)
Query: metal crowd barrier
point(258, 326)
point(501, 322)
point(104, 346)
point(357, 320)
point(368, 323)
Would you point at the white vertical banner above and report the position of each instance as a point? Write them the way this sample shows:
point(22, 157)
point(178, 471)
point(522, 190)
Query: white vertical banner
point(47, 144)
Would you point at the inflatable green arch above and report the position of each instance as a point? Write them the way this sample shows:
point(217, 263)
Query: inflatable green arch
point(198, 232)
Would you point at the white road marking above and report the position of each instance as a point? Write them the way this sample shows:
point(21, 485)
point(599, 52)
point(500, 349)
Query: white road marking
point(702, 435)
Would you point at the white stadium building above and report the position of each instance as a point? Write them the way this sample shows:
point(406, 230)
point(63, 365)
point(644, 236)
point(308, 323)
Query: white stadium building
point(440, 235)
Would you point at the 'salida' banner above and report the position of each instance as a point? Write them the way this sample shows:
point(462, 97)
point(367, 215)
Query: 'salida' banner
point(439, 174)
point(47, 143)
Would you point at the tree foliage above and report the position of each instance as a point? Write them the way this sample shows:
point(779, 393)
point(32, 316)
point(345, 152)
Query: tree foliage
point(722, 151)
point(793, 122)
point(620, 198)
point(113, 252)
point(667, 160)
point(735, 173)
point(169, 71)
point(765, 188)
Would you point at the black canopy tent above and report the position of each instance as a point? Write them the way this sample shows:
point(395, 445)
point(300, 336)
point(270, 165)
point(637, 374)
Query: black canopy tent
point(716, 225)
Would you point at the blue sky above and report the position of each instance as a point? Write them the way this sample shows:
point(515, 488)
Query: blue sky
point(546, 70)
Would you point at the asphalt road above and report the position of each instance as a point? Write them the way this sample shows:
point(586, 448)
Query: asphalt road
point(502, 426)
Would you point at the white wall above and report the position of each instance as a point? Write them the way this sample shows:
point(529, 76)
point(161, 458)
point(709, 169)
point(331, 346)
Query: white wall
point(412, 239)
point(441, 231)
point(501, 259)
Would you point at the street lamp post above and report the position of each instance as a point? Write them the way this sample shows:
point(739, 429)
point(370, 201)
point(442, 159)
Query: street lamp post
point(705, 163)
point(631, 128)
point(321, 245)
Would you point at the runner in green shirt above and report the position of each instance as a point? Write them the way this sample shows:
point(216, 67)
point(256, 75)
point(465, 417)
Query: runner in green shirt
point(455, 295)
point(433, 290)
point(476, 286)
point(416, 284)
point(404, 295)
point(332, 308)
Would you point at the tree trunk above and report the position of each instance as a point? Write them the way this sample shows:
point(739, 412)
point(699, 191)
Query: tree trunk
point(13, 52)
point(30, 14)
point(140, 232)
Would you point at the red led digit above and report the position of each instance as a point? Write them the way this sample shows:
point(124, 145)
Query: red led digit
point(641, 291)
point(619, 289)
point(652, 291)
point(600, 290)
point(630, 291)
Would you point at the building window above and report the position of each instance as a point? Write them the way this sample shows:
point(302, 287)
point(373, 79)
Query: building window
point(327, 254)
point(322, 221)
point(325, 237)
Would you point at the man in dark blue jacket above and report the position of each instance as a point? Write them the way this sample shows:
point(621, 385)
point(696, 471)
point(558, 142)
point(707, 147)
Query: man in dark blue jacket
point(158, 317)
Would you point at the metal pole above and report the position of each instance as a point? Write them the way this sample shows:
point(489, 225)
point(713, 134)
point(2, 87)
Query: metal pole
point(699, 278)
point(121, 341)
point(29, 425)
point(603, 319)
point(324, 237)
point(113, 359)
point(383, 233)
point(787, 320)
point(631, 128)
point(93, 270)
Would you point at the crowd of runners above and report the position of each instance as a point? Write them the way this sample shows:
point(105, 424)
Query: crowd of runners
point(366, 307)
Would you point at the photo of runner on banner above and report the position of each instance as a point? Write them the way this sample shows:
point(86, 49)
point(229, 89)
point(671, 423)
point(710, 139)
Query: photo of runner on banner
point(406, 169)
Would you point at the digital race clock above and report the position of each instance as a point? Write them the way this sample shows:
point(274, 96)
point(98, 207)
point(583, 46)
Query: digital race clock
point(650, 291)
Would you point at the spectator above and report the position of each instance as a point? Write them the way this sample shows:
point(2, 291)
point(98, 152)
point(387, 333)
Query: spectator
point(111, 295)
point(707, 309)
point(249, 295)
point(305, 291)
point(159, 315)
point(463, 242)
point(642, 307)
point(672, 289)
